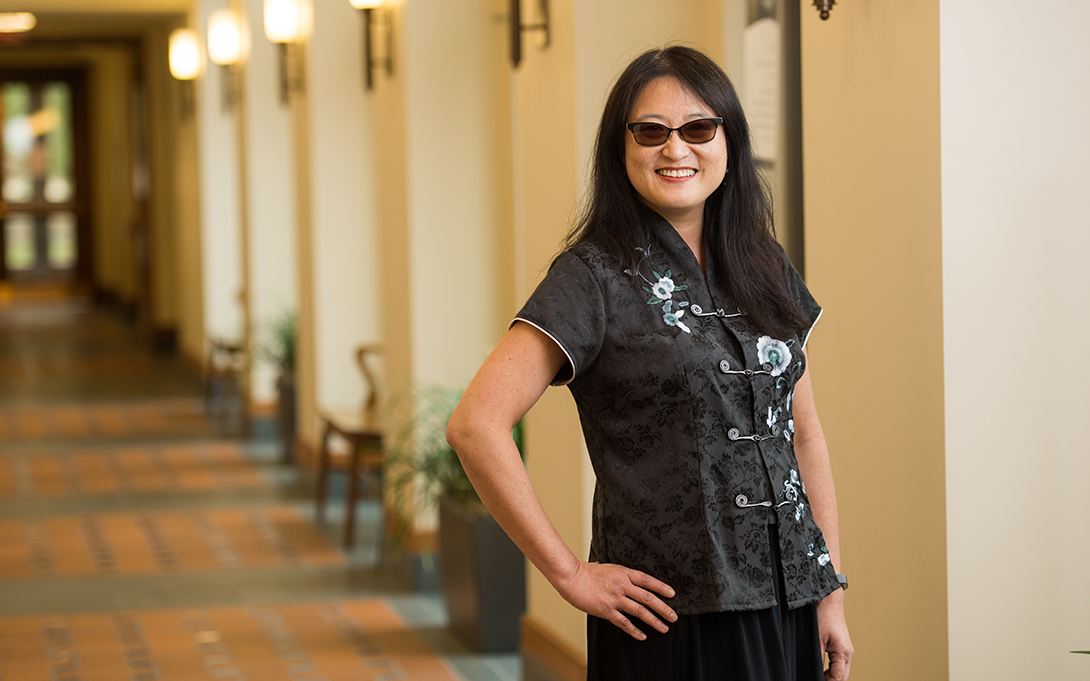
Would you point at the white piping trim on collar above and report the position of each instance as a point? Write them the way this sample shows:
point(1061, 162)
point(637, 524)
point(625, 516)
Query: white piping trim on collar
point(558, 343)
point(820, 312)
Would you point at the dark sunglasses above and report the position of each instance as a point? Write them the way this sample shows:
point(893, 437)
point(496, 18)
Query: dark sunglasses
point(694, 132)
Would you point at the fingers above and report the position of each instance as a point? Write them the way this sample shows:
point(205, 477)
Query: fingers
point(637, 601)
point(648, 605)
point(838, 670)
point(621, 596)
point(646, 581)
point(839, 667)
point(625, 625)
point(644, 613)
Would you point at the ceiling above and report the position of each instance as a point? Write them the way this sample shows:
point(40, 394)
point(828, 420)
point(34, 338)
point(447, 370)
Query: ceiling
point(94, 19)
point(41, 7)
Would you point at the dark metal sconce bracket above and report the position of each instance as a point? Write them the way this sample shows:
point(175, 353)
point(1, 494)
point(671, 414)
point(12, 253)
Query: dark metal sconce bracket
point(228, 87)
point(517, 27)
point(291, 71)
point(824, 7)
point(370, 61)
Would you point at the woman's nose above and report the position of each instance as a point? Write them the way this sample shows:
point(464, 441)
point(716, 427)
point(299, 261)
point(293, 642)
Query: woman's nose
point(675, 147)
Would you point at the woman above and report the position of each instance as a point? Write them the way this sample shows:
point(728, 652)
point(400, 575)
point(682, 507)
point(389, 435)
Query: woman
point(679, 326)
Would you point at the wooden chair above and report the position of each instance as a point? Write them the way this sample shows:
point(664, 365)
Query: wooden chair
point(362, 428)
point(222, 378)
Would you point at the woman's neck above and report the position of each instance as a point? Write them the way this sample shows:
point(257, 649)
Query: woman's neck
point(692, 233)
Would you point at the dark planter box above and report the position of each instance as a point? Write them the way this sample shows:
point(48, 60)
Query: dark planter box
point(483, 575)
point(285, 388)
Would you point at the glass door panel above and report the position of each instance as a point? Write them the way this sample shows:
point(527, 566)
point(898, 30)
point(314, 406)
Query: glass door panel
point(41, 228)
point(59, 177)
point(61, 240)
point(19, 143)
point(21, 252)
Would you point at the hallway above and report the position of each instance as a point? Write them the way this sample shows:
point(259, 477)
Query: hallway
point(136, 543)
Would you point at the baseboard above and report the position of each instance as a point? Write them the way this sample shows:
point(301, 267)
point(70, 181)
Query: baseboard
point(547, 658)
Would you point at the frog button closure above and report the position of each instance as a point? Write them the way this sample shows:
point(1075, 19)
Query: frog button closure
point(724, 366)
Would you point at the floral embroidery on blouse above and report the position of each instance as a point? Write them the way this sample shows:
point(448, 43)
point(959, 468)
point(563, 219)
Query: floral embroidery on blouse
point(822, 556)
point(662, 291)
point(790, 494)
point(774, 352)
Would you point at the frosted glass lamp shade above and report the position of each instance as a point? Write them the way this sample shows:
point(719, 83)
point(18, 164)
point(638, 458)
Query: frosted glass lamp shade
point(17, 22)
point(185, 54)
point(366, 4)
point(224, 37)
point(282, 20)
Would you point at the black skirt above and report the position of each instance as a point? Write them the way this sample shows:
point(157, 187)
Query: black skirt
point(776, 644)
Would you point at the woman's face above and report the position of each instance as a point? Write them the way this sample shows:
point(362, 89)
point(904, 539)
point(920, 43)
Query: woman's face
point(674, 178)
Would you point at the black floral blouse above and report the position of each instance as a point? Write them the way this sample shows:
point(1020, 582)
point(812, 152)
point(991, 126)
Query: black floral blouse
point(686, 411)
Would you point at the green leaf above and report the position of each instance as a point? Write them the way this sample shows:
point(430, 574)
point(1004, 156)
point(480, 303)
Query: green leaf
point(669, 274)
point(646, 289)
point(657, 275)
point(681, 288)
point(652, 300)
point(1081, 652)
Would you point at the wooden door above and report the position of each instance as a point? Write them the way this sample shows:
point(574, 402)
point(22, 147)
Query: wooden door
point(45, 235)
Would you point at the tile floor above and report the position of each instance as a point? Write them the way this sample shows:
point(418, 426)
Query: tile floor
point(136, 543)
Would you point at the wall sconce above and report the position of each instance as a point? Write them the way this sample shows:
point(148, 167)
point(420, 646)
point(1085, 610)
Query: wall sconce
point(824, 6)
point(225, 50)
point(372, 10)
point(283, 27)
point(517, 27)
point(17, 22)
point(185, 64)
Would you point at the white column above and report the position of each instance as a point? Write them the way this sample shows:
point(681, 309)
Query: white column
point(1015, 92)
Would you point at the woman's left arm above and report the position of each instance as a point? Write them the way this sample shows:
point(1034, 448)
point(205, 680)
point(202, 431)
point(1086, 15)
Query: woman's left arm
point(817, 473)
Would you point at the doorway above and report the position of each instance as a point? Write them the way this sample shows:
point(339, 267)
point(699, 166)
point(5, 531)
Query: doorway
point(45, 235)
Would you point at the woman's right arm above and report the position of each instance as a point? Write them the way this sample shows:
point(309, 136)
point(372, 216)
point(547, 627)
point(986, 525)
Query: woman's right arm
point(511, 380)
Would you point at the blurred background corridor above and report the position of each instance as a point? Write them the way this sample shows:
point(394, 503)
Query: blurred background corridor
point(250, 250)
point(140, 540)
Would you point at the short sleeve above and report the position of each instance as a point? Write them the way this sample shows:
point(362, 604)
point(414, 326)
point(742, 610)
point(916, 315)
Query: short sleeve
point(811, 311)
point(568, 306)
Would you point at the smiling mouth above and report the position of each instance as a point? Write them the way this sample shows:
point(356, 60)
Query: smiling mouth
point(671, 172)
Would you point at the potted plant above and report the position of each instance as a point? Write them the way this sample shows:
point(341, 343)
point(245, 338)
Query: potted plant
point(483, 573)
point(277, 346)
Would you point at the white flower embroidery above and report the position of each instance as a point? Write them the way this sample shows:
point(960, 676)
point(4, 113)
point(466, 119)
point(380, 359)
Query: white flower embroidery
point(789, 430)
point(663, 288)
point(662, 291)
point(791, 494)
point(673, 318)
point(774, 352)
point(823, 557)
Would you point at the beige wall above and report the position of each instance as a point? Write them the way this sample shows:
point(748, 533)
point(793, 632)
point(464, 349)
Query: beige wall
point(185, 183)
point(346, 277)
point(458, 106)
point(221, 257)
point(1015, 92)
point(440, 159)
point(111, 171)
point(270, 195)
point(870, 83)
point(162, 206)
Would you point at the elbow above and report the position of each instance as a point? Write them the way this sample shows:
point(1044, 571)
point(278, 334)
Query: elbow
point(459, 430)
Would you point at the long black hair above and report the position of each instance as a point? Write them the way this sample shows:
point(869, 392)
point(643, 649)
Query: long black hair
point(738, 227)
